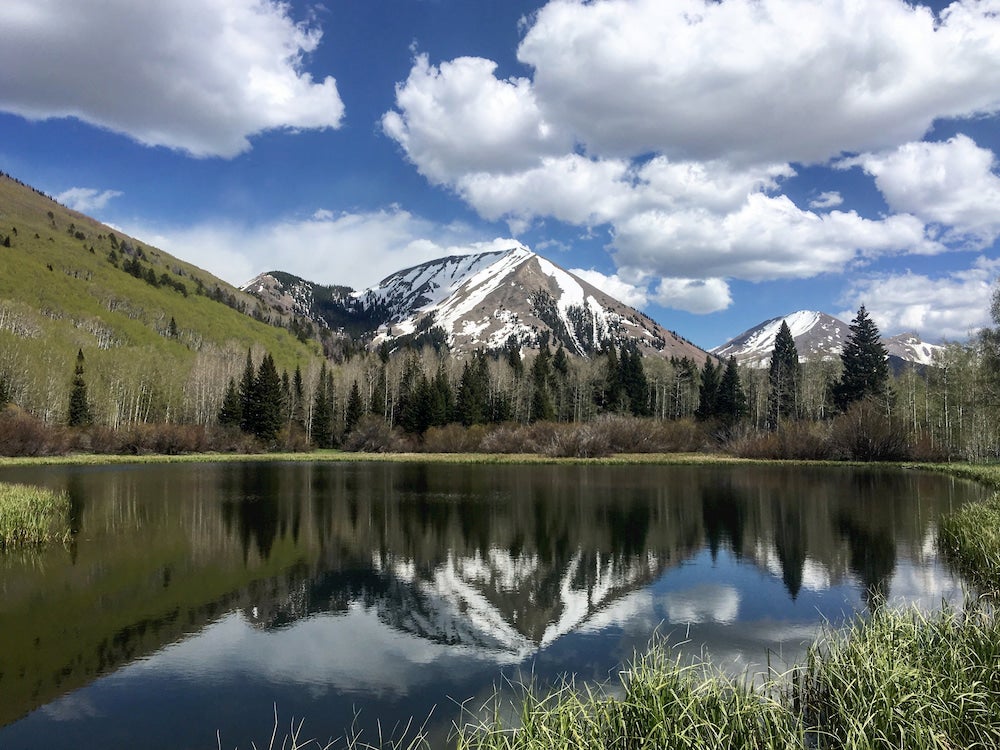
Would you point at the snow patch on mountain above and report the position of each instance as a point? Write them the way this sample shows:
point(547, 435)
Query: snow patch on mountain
point(908, 346)
point(817, 336)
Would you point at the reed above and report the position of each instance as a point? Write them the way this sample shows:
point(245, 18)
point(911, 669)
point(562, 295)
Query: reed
point(970, 538)
point(904, 679)
point(32, 516)
point(898, 680)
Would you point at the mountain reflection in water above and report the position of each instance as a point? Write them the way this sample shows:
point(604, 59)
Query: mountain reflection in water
point(484, 565)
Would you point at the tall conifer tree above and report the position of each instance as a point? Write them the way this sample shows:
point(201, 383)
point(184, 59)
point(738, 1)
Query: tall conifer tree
point(79, 406)
point(231, 412)
point(866, 369)
point(784, 379)
point(354, 408)
point(268, 401)
point(247, 395)
point(731, 400)
point(298, 400)
point(322, 416)
point(708, 392)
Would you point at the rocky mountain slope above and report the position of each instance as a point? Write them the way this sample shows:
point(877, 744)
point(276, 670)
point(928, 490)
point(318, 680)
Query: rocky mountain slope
point(479, 301)
point(817, 336)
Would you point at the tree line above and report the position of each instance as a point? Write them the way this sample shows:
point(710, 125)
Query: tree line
point(948, 409)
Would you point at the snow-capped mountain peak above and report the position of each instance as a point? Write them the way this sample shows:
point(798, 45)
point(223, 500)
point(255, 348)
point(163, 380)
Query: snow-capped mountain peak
point(485, 300)
point(817, 336)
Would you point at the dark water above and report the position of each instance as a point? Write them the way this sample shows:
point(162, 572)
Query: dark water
point(195, 598)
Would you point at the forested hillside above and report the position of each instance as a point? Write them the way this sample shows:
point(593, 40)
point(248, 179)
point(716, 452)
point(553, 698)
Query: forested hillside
point(160, 337)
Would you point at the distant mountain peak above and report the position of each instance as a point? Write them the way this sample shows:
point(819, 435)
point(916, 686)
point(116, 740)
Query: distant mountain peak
point(818, 336)
point(481, 300)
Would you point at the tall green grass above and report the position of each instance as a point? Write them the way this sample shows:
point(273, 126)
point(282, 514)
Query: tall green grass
point(970, 537)
point(898, 680)
point(31, 516)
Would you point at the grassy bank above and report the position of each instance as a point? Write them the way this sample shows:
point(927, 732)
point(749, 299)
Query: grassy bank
point(30, 516)
point(899, 680)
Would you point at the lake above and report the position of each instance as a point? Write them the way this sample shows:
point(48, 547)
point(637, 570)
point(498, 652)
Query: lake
point(195, 598)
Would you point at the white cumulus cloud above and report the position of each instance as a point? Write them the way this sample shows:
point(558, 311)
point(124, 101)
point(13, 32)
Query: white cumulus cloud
point(785, 80)
point(954, 183)
point(86, 200)
point(699, 296)
point(677, 124)
point(948, 307)
point(199, 76)
point(829, 199)
point(458, 118)
point(355, 249)
point(621, 290)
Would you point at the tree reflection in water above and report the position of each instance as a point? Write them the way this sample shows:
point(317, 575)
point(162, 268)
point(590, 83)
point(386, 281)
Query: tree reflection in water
point(502, 560)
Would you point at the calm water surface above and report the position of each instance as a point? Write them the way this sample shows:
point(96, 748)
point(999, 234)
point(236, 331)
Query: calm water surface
point(195, 598)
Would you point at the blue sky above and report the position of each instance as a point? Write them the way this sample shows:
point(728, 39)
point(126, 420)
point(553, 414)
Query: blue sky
point(712, 163)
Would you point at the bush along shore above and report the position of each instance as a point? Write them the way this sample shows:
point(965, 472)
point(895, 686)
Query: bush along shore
point(32, 516)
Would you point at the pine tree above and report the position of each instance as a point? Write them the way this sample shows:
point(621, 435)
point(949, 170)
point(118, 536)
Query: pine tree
point(865, 366)
point(512, 352)
point(354, 408)
point(268, 402)
point(708, 392)
point(247, 395)
point(298, 400)
point(79, 407)
point(613, 389)
point(542, 408)
point(322, 417)
point(731, 400)
point(231, 412)
point(472, 406)
point(443, 401)
point(633, 380)
point(784, 379)
point(419, 405)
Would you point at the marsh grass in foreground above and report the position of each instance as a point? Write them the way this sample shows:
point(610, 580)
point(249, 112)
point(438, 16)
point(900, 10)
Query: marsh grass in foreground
point(970, 537)
point(898, 680)
point(31, 516)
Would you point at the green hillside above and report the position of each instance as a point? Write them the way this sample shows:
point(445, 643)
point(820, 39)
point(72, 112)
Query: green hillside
point(161, 337)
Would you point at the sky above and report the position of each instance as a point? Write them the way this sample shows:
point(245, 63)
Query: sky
point(714, 164)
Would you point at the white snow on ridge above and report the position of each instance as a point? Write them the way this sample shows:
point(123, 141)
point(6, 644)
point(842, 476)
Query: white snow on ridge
point(435, 281)
point(476, 289)
point(817, 336)
point(762, 340)
point(572, 292)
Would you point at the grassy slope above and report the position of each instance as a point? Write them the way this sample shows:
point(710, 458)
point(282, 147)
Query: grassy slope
point(46, 315)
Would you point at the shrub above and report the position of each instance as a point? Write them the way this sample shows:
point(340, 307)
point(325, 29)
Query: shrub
point(23, 434)
point(578, 441)
point(373, 435)
point(505, 438)
point(802, 441)
point(865, 433)
point(454, 438)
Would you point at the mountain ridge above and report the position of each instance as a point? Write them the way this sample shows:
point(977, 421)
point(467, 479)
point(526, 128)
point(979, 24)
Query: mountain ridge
point(817, 336)
point(485, 300)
